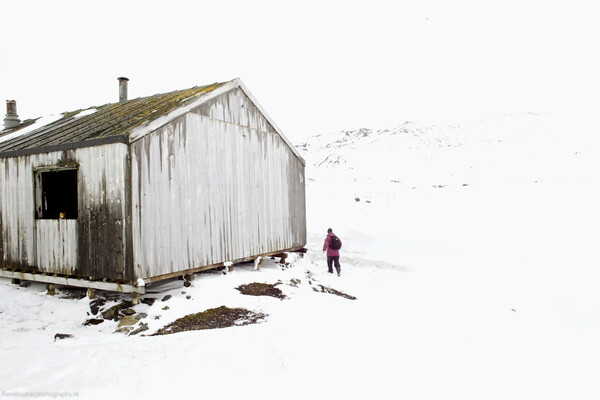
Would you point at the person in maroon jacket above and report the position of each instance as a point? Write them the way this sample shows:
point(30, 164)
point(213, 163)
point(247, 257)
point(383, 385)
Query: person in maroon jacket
point(333, 251)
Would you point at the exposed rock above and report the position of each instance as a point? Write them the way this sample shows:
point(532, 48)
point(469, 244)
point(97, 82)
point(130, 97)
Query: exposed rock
point(142, 328)
point(113, 312)
point(128, 320)
point(187, 284)
point(125, 329)
point(148, 300)
point(128, 311)
point(165, 308)
point(61, 336)
point(295, 282)
point(188, 297)
point(167, 297)
point(141, 316)
point(96, 304)
point(93, 321)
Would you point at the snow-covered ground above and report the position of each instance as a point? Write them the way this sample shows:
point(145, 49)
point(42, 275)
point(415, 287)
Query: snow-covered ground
point(471, 249)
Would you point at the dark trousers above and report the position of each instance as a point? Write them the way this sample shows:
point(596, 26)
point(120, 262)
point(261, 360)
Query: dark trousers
point(334, 260)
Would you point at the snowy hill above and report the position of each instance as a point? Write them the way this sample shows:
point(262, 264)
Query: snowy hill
point(507, 148)
point(461, 187)
point(471, 250)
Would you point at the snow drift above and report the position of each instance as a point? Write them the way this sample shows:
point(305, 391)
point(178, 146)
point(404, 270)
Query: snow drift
point(471, 250)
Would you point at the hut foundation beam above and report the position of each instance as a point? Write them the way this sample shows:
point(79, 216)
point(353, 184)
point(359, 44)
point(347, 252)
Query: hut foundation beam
point(60, 280)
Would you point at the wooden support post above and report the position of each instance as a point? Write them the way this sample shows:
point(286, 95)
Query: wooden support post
point(187, 280)
point(283, 257)
point(135, 299)
point(91, 293)
point(257, 263)
point(228, 267)
point(51, 290)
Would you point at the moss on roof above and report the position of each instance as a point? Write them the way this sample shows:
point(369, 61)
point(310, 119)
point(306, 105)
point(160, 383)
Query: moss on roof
point(108, 120)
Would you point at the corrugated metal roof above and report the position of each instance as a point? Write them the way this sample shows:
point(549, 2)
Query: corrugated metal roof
point(107, 122)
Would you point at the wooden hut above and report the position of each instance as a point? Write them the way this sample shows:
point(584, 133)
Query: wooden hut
point(117, 196)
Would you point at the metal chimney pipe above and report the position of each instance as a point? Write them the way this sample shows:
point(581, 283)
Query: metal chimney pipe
point(12, 119)
point(123, 88)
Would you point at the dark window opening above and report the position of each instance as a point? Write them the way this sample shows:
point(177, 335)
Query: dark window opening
point(56, 194)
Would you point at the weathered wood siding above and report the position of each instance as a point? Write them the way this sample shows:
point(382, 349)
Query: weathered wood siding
point(95, 244)
point(235, 107)
point(215, 185)
point(57, 245)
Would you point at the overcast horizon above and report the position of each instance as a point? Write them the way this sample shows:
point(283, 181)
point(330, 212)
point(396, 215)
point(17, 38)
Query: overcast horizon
point(314, 67)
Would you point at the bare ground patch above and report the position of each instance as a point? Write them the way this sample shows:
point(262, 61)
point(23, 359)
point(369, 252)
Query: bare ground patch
point(325, 289)
point(221, 317)
point(261, 289)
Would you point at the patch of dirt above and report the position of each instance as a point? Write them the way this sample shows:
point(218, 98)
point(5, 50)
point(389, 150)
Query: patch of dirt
point(261, 289)
point(221, 317)
point(325, 289)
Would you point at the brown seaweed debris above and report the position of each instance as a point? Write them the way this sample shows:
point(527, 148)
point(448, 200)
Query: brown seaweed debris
point(325, 289)
point(221, 317)
point(261, 289)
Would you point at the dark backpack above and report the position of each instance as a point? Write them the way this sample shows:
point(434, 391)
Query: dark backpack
point(335, 243)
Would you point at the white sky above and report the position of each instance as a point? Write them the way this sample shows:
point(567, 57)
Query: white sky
point(315, 66)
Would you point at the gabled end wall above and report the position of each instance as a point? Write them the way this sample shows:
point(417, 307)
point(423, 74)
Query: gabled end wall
point(216, 184)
